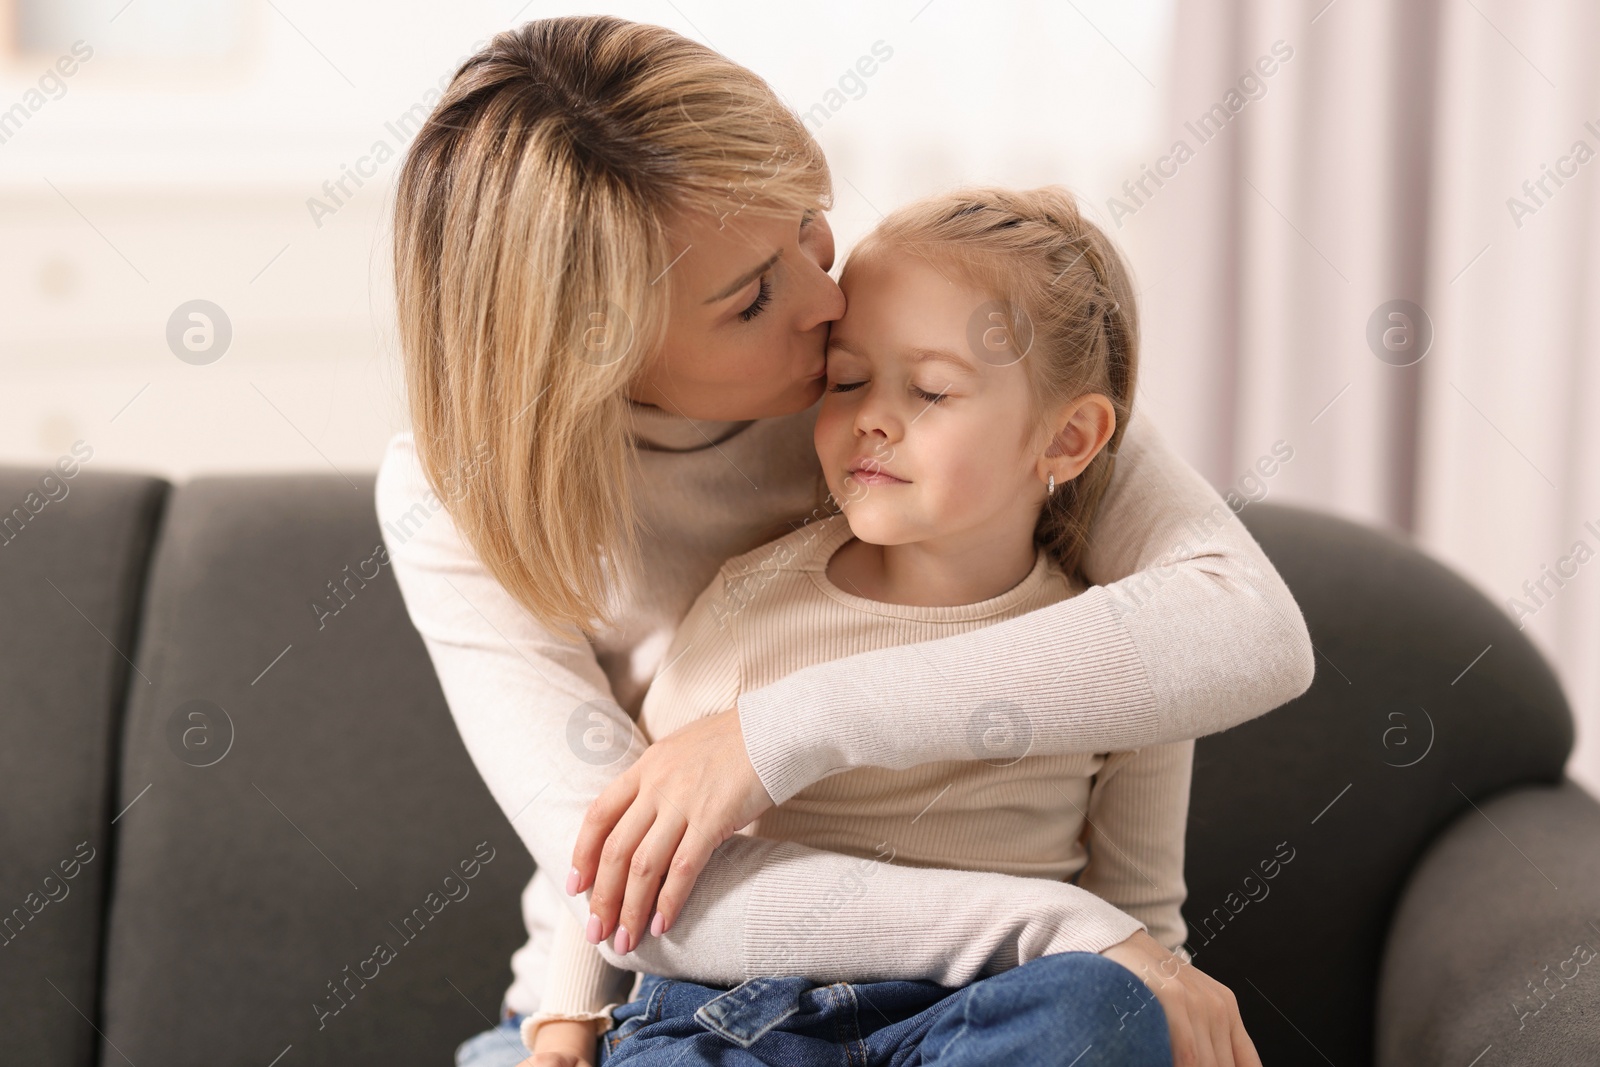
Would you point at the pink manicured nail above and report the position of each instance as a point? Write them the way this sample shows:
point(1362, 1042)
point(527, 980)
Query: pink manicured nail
point(658, 924)
point(593, 930)
point(621, 941)
point(572, 882)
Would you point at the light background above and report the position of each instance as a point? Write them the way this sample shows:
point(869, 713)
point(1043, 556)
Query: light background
point(178, 162)
point(157, 179)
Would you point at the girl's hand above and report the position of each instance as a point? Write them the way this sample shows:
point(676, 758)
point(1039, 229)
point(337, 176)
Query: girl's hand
point(563, 1043)
point(555, 1059)
point(663, 817)
point(1202, 1014)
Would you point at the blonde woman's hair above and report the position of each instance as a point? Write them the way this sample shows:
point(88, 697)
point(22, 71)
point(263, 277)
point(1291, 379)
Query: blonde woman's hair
point(530, 258)
point(1064, 294)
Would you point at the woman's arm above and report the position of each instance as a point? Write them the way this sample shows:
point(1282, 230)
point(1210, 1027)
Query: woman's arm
point(535, 713)
point(1205, 637)
point(1187, 631)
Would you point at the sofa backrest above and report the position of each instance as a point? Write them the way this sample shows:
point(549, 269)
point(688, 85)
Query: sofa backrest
point(73, 555)
point(290, 794)
point(310, 860)
point(1304, 823)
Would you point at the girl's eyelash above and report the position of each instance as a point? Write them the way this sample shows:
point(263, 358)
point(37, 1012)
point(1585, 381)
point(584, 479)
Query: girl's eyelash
point(932, 398)
point(759, 303)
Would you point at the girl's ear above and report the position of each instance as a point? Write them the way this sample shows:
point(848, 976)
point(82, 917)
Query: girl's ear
point(1083, 425)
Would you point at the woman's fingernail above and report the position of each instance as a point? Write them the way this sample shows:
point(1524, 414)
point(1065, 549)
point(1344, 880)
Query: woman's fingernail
point(572, 882)
point(621, 942)
point(593, 930)
point(657, 925)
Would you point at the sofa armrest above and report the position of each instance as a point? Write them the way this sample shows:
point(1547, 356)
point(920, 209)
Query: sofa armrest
point(1496, 940)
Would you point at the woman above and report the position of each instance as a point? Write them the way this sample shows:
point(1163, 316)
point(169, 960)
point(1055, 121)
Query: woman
point(613, 298)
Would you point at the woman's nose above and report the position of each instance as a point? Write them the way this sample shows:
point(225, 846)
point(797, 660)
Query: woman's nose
point(825, 300)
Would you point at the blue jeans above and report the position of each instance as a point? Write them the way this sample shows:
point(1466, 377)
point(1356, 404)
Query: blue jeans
point(1076, 1008)
point(500, 1047)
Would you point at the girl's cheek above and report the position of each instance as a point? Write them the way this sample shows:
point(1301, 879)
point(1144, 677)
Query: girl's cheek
point(975, 476)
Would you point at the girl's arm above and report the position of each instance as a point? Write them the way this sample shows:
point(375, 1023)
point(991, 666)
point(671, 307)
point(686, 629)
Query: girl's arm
point(1138, 815)
point(536, 715)
point(580, 989)
point(1187, 631)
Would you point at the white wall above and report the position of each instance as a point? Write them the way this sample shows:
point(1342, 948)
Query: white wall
point(177, 165)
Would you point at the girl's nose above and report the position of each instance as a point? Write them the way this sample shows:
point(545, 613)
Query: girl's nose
point(875, 415)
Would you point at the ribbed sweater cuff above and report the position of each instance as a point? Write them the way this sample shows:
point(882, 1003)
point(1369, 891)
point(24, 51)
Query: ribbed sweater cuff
point(600, 1020)
point(580, 984)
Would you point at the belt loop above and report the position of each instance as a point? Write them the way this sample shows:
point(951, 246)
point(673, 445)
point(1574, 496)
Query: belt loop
point(752, 1007)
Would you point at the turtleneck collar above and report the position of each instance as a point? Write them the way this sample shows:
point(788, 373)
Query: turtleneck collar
point(661, 430)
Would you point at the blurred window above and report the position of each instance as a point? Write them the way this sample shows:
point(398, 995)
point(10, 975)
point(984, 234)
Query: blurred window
point(164, 30)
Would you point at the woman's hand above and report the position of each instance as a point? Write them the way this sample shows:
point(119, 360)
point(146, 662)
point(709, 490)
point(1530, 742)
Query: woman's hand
point(1202, 1014)
point(663, 817)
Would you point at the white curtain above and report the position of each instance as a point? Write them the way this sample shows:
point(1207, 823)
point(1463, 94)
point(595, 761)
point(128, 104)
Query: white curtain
point(1385, 159)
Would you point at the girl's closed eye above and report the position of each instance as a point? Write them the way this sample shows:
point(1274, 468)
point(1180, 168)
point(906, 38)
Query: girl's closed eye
point(932, 398)
point(844, 387)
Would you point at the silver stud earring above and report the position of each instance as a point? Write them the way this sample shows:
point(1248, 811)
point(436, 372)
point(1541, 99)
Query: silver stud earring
point(1050, 487)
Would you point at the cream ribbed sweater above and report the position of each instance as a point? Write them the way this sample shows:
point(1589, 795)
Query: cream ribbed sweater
point(1187, 630)
point(773, 611)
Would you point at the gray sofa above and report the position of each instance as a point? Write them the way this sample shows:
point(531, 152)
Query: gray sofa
point(219, 799)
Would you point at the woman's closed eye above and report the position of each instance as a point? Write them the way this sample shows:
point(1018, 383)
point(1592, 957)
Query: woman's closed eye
point(759, 304)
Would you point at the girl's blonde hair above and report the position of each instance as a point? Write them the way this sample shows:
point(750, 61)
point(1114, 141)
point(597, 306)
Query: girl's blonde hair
point(530, 258)
point(1064, 296)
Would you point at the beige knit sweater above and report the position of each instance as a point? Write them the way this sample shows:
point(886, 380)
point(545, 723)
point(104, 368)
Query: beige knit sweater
point(773, 611)
point(1187, 630)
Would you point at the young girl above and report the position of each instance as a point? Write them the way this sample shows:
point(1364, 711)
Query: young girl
point(978, 385)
